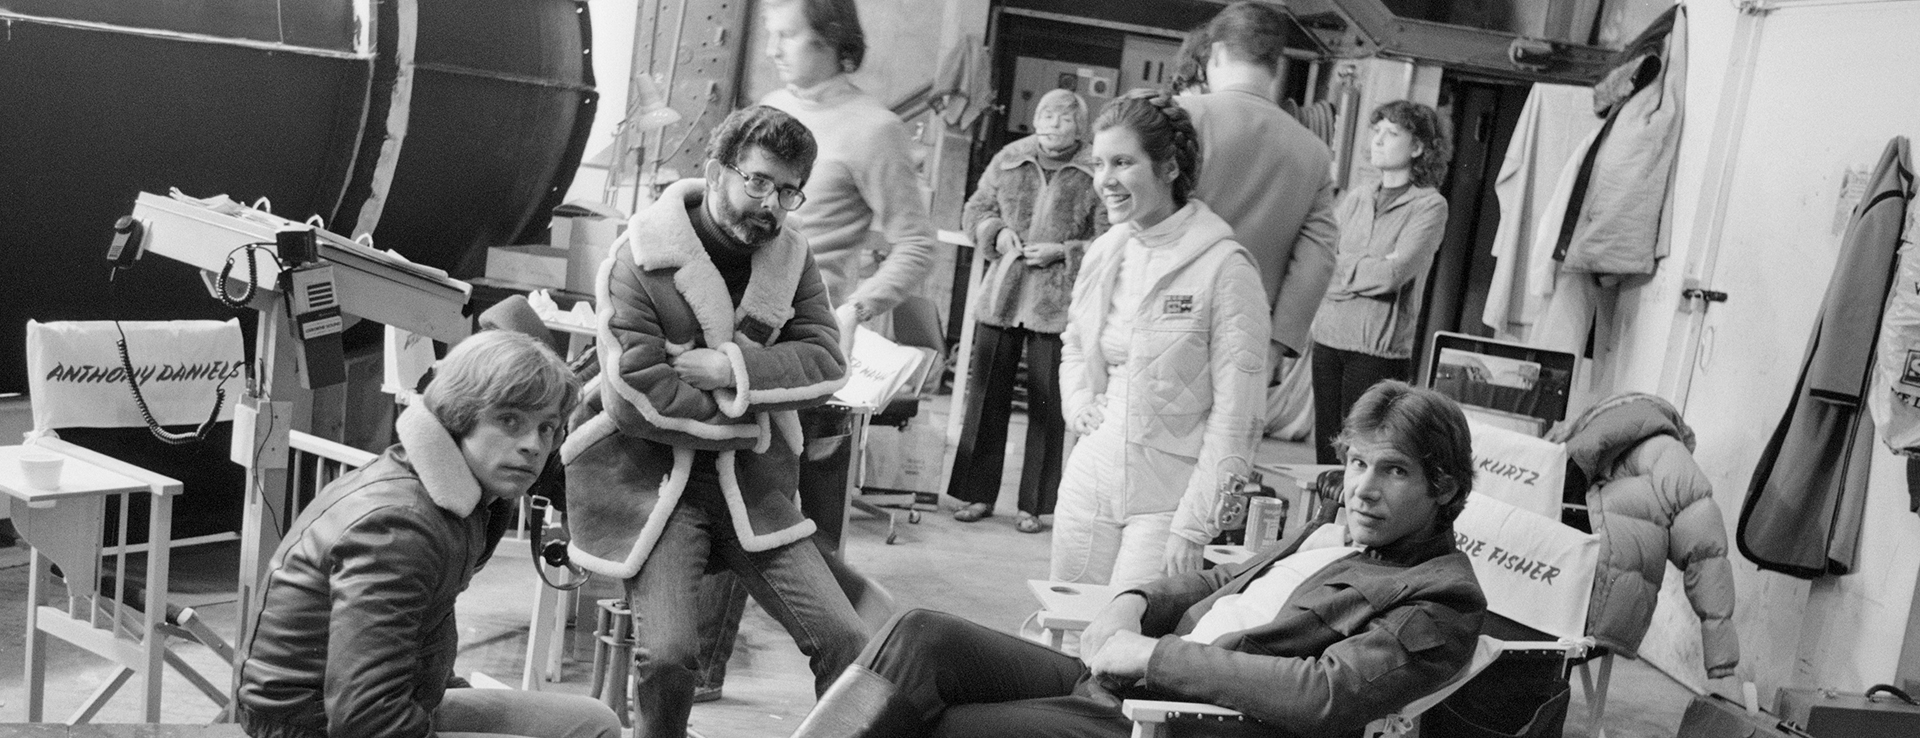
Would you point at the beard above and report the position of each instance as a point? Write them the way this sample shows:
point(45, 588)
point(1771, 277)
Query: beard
point(752, 229)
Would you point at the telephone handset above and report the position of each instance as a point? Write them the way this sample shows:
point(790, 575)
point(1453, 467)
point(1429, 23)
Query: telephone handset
point(127, 246)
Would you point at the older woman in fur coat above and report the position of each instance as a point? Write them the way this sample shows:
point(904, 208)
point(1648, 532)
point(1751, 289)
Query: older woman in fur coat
point(1031, 217)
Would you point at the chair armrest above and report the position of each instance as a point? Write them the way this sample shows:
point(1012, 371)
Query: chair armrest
point(1571, 648)
point(1157, 711)
point(480, 680)
point(323, 448)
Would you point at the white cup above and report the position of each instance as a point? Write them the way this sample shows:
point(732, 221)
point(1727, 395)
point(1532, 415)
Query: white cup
point(41, 468)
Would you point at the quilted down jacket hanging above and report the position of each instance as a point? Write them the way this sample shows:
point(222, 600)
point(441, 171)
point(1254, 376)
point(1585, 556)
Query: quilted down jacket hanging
point(1651, 504)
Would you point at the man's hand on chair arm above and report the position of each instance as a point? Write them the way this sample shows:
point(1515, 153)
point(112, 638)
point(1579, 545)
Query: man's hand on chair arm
point(1122, 615)
point(1122, 660)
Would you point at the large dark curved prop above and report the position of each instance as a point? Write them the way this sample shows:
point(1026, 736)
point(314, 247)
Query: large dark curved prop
point(440, 126)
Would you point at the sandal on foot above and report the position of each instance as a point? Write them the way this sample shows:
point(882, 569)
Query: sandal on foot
point(1027, 523)
point(973, 513)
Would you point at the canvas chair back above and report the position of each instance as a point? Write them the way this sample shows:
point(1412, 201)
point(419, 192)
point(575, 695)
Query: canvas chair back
point(1534, 570)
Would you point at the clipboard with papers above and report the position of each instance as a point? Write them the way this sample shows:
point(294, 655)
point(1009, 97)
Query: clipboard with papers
point(878, 370)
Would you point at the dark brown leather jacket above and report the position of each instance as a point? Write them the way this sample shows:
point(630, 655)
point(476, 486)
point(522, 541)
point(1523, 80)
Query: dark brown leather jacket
point(355, 632)
point(1354, 642)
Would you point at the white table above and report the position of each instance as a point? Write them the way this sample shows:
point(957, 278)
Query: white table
point(1224, 555)
point(1066, 606)
point(63, 525)
point(1301, 474)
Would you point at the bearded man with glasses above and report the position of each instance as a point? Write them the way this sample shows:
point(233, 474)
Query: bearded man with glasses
point(715, 328)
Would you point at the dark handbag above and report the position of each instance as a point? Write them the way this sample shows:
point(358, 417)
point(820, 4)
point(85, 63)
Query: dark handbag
point(1829, 714)
point(1713, 716)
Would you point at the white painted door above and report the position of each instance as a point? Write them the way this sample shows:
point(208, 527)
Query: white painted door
point(1831, 84)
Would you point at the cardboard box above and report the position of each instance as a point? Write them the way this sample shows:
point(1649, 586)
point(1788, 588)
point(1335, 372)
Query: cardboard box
point(904, 459)
point(585, 230)
point(583, 264)
point(539, 266)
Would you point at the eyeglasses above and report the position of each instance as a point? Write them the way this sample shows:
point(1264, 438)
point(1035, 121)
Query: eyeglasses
point(791, 198)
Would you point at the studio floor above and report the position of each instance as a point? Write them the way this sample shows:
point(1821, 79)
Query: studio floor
point(975, 570)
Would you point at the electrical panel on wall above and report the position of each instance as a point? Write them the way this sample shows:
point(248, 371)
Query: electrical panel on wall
point(1147, 62)
point(693, 48)
point(1033, 78)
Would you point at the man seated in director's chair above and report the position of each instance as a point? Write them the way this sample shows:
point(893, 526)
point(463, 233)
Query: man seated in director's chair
point(1318, 637)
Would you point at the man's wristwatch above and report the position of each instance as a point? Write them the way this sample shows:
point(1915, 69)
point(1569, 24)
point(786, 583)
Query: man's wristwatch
point(861, 312)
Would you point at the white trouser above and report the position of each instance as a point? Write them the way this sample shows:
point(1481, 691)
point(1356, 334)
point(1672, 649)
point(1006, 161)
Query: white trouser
point(1094, 539)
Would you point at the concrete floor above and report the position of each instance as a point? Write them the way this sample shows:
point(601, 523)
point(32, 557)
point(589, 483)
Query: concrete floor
point(975, 570)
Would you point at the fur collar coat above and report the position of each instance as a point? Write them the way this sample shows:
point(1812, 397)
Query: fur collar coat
point(635, 436)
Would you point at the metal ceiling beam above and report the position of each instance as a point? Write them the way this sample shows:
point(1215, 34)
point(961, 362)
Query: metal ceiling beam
point(1375, 30)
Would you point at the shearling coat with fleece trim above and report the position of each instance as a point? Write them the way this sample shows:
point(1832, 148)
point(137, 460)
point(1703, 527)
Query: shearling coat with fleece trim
point(1195, 372)
point(633, 438)
point(1650, 504)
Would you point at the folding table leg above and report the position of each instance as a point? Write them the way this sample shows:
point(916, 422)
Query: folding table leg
point(563, 612)
point(539, 632)
point(37, 571)
point(100, 696)
point(193, 677)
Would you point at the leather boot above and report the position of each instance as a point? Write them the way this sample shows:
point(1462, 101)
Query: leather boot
point(861, 703)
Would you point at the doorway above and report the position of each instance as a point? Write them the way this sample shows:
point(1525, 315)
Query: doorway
point(1483, 113)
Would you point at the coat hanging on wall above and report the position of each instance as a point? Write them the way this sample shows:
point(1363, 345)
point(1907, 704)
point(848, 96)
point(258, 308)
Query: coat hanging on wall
point(1804, 507)
point(1616, 221)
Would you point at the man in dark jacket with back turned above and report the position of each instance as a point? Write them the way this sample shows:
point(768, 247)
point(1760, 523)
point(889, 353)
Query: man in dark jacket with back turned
point(356, 633)
point(1263, 171)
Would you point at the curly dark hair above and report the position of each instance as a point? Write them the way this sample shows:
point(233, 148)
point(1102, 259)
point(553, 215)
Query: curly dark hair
point(1430, 166)
point(1165, 130)
point(783, 137)
point(1424, 424)
point(837, 23)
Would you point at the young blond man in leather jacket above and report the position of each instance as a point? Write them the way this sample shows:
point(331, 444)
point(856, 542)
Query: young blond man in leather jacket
point(356, 633)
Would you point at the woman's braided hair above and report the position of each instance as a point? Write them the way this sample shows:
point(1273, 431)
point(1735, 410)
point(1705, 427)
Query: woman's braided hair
point(1165, 130)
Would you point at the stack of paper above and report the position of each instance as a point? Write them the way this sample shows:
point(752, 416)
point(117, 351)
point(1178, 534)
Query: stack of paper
point(878, 370)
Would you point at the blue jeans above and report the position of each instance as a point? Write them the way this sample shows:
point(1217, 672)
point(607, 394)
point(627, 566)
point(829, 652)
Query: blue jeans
point(823, 499)
point(791, 582)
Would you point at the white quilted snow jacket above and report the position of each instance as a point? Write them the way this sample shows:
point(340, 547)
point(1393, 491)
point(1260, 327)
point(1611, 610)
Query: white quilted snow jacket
point(1195, 368)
